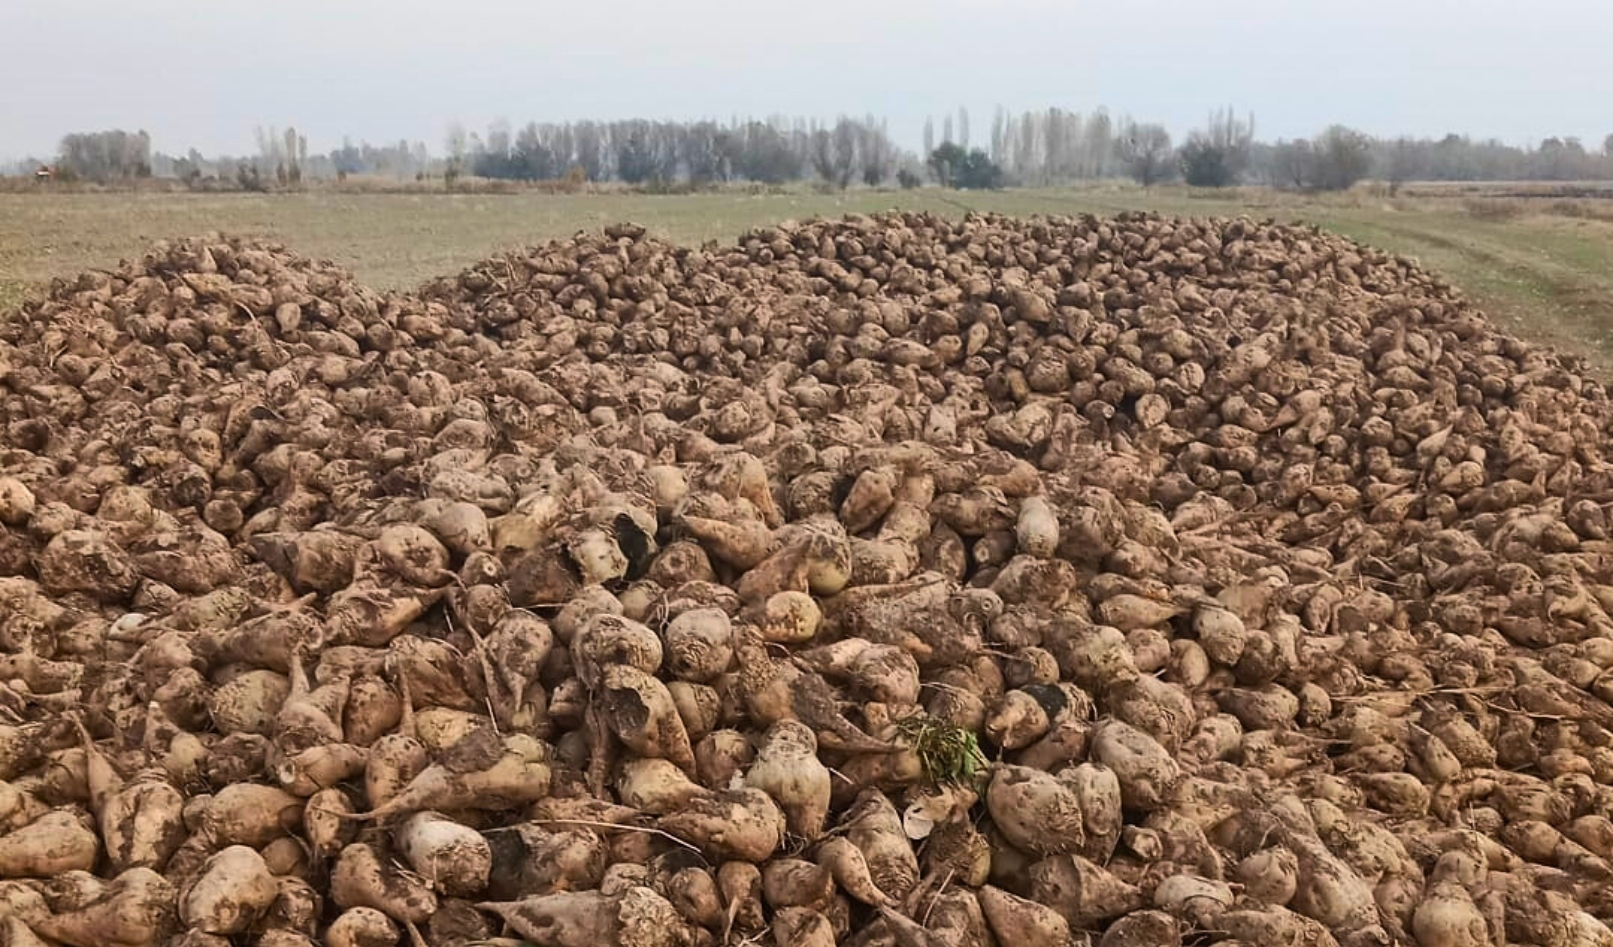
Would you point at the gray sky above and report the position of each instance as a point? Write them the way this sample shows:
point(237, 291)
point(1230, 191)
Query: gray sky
point(204, 72)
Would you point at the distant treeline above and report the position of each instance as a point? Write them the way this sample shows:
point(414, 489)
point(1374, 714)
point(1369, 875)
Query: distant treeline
point(639, 152)
point(1457, 158)
point(775, 151)
point(1052, 146)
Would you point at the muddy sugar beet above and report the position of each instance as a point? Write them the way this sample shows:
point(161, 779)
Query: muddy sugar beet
point(889, 581)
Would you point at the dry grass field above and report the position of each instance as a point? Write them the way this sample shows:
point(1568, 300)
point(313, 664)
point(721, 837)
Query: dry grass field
point(1539, 263)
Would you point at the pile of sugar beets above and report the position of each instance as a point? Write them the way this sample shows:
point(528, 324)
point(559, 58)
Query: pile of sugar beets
point(895, 582)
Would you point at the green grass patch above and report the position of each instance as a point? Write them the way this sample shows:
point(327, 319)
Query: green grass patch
point(950, 755)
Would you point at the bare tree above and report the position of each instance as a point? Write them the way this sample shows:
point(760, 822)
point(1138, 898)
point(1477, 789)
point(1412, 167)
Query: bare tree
point(847, 133)
point(455, 142)
point(823, 153)
point(1027, 149)
point(834, 152)
point(1076, 148)
point(293, 169)
point(1145, 151)
point(701, 152)
point(770, 152)
point(874, 151)
point(668, 142)
point(270, 148)
point(591, 150)
point(1343, 156)
point(1400, 165)
point(963, 128)
point(498, 138)
point(929, 136)
point(530, 159)
point(1216, 155)
point(1098, 135)
point(635, 151)
point(1292, 163)
point(1053, 141)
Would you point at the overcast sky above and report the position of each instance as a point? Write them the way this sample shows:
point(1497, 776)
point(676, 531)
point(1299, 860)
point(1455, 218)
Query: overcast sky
point(205, 72)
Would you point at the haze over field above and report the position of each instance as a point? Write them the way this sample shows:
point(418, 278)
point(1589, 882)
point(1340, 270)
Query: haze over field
point(204, 75)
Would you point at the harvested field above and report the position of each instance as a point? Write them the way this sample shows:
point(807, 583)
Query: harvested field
point(1545, 276)
point(899, 580)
